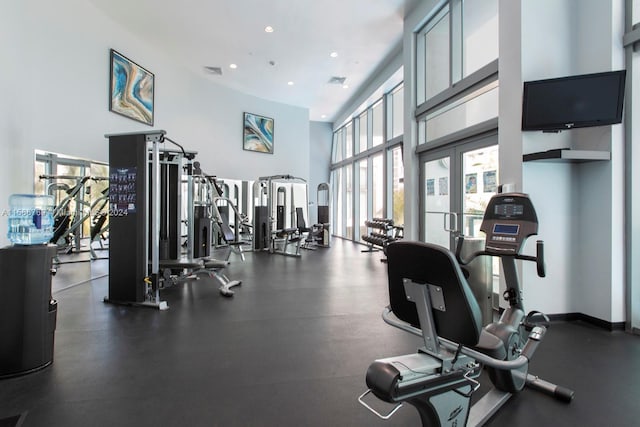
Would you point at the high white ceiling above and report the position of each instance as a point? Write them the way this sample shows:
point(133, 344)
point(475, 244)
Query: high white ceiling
point(218, 33)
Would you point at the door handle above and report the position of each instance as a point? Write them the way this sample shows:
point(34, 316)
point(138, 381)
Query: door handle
point(453, 219)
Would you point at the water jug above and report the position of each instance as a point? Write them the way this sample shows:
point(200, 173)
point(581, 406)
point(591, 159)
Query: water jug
point(30, 219)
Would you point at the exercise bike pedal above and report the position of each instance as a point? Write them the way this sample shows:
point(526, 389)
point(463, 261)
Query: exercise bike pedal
point(535, 318)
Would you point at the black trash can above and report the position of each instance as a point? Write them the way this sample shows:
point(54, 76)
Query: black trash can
point(27, 311)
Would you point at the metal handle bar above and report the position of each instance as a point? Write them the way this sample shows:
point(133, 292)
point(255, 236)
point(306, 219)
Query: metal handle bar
point(61, 177)
point(538, 259)
point(384, 417)
point(475, 385)
point(453, 222)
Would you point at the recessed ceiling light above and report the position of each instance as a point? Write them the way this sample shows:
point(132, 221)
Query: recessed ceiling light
point(345, 86)
point(268, 29)
point(324, 116)
point(233, 66)
point(290, 83)
point(333, 54)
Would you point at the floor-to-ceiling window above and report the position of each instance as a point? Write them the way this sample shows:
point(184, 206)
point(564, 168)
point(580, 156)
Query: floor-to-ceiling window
point(434, 54)
point(338, 196)
point(396, 115)
point(397, 185)
point(395, 154)
point(363, 130)
point(479, 35)
point(457, 100)
point(348, 201)
point(363, 214)
point(348, 141)
point(367, 170)
point(377, 121)
point(456, 112)
point(377, 189)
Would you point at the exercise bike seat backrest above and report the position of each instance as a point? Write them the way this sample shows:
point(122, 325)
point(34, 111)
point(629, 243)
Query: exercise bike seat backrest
point(461, 321)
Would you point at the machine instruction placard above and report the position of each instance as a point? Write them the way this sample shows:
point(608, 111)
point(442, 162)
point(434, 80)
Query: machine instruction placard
point(122, 191)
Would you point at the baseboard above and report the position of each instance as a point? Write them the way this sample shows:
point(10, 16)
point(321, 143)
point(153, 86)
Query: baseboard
point(572, 317)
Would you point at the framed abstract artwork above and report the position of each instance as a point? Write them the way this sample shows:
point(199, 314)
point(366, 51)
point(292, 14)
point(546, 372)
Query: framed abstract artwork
point(131, 89)
point(258, 133)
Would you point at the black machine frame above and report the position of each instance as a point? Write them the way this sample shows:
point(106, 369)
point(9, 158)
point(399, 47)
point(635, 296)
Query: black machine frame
point(146, 223)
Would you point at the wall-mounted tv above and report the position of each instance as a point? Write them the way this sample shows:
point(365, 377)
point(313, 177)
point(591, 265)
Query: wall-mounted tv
point(573, 102)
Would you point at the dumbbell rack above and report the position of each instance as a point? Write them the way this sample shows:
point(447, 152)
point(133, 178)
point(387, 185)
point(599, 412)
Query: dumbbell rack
point(382, 231)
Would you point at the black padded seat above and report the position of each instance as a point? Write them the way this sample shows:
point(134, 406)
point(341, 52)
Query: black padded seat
point(436, 265)
point(179, 263)
point(285, 232)
point(227, 232)
point(215, 263)
point(420, 262)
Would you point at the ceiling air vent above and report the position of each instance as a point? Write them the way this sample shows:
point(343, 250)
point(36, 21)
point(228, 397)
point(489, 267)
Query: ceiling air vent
point(337, 80)
point(214, 70)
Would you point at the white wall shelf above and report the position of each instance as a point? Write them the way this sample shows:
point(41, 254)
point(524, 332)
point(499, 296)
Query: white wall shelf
point(567, 156)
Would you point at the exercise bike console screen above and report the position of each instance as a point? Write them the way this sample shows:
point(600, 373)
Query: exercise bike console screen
point(508, 221)
point(508, 210)
point(505, 229)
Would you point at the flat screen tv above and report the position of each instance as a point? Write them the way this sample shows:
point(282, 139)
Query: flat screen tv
point(573, 102)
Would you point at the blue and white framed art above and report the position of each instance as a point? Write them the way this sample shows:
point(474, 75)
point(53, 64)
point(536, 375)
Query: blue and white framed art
point(258, 133)
point(131, 89)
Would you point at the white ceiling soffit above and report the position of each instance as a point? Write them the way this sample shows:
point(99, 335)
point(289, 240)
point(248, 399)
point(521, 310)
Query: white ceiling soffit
point(291, 65)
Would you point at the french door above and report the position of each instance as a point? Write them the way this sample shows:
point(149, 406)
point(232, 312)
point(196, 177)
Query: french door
point(457, 182)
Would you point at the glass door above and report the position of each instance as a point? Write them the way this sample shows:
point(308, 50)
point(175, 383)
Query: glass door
point(456, 185)
point(439, 220)
point(480, 182)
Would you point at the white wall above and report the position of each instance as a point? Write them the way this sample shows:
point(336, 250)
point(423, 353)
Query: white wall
point(320, 139)
point(580, 205)
point(55, 97)
point(550, 187)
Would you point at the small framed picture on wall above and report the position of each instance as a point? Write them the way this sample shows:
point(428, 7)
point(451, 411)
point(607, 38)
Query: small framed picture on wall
point(258, 133)
point(131, 89)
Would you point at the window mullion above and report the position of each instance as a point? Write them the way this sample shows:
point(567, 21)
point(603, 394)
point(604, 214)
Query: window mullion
point(456, 36)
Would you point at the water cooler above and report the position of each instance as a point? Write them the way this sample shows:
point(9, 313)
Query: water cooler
point(27, 311)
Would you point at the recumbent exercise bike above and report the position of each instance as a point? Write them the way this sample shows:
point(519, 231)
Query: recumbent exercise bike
point(430, 297)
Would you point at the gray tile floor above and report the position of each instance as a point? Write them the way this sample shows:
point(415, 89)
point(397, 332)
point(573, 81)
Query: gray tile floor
point(290, 349)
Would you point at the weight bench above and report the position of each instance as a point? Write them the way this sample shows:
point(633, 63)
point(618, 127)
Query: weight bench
point(174, 272)
point(287, 236)
point(313, 233)
point(177, 270)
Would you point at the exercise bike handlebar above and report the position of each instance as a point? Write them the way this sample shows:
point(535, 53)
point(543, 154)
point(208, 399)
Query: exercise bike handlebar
point(538, 259)
point(536, 335)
